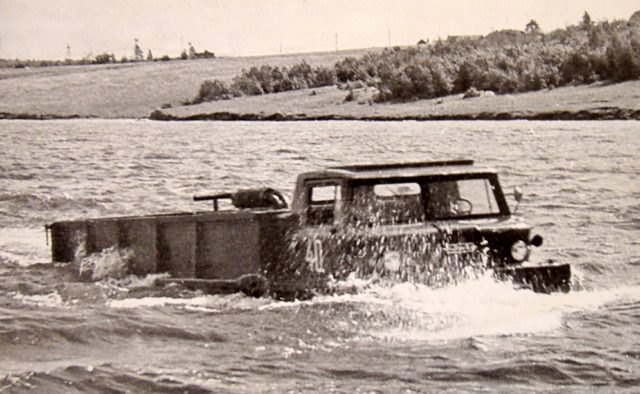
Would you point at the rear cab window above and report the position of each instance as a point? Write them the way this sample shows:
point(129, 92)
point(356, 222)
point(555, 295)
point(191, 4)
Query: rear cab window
point(323, 199)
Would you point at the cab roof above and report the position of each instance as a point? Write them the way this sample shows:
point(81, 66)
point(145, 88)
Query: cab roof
point(400, 170)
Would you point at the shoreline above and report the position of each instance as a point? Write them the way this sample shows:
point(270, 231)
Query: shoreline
point(604, 113)
point(28, 116)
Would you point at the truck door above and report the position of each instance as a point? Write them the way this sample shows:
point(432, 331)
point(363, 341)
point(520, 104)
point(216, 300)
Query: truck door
point(320, 223)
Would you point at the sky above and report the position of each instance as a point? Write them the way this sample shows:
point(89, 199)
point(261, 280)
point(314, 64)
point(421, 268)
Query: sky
point(56, 29)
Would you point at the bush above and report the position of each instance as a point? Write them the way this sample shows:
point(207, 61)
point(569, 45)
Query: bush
point(103, 58)
point(212, 90)
point(350, 69)
point(577, 67)
point(623, 58)
point(301, 75)
point(471, 93)
point(323, 76)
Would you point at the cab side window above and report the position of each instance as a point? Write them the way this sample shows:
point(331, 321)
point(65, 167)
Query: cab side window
point(322, 203)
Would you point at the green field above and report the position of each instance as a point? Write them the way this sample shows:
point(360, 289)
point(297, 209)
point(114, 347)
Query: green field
point(135, 90)
point(131, 90)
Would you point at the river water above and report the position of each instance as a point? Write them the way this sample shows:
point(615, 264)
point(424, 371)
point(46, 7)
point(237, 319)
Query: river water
point(582, 192)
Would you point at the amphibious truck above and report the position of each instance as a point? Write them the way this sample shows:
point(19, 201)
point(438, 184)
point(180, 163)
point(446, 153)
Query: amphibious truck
point(435, 223)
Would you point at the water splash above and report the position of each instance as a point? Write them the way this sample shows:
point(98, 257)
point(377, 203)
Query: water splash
point(475, 308)
point(482, 307)
point(418, 257)
point(112, 262)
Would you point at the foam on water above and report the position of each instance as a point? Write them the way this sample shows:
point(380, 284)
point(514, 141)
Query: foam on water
point(23, 246)
point(475, 308)
point(50, 300)
point(198, 303)
point(129, 303)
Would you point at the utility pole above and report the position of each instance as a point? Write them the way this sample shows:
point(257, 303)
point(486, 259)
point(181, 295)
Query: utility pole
point(68, 52)
point(388, 38)
point(336, 42)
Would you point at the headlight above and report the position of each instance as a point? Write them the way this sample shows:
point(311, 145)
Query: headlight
point(519, 251)
point(536, 240)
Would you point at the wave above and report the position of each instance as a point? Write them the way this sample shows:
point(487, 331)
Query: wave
point(18, 176)
point(47, 320)
point(32, 201)
point(525, 373)
point(103, 378)
point(408, 320)
point(159, 156)
point(20, 209)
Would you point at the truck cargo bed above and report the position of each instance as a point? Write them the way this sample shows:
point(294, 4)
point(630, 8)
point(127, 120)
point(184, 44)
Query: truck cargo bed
point(207, 245)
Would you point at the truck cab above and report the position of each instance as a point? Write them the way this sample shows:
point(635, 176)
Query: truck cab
point(431, 222)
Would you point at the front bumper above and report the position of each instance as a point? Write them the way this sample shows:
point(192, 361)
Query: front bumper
point(545, 277)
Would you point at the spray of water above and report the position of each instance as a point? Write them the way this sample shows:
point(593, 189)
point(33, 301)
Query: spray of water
point(421, 258)
point(112, 262)
point(474, 308)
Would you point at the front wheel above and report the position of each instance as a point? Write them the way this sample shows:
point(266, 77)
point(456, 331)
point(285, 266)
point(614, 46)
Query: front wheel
point(253, 285)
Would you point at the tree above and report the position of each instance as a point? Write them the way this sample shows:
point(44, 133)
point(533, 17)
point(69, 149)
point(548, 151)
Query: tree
point(149, 56)
point(207, 55)
point(586, 21)
point(138, 55)
point(102, 58)
point(324, 76)
point(532, 27)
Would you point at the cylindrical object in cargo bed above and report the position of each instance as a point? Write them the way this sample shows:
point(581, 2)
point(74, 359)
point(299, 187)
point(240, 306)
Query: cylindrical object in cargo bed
point(265, 197)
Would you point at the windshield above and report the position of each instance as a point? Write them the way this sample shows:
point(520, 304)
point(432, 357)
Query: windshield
point(459, 198)
point(412, 202)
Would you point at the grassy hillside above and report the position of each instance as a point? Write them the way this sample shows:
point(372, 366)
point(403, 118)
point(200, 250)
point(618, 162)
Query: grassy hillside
point(597, 100)
point(131, 90)
point(135, 90)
